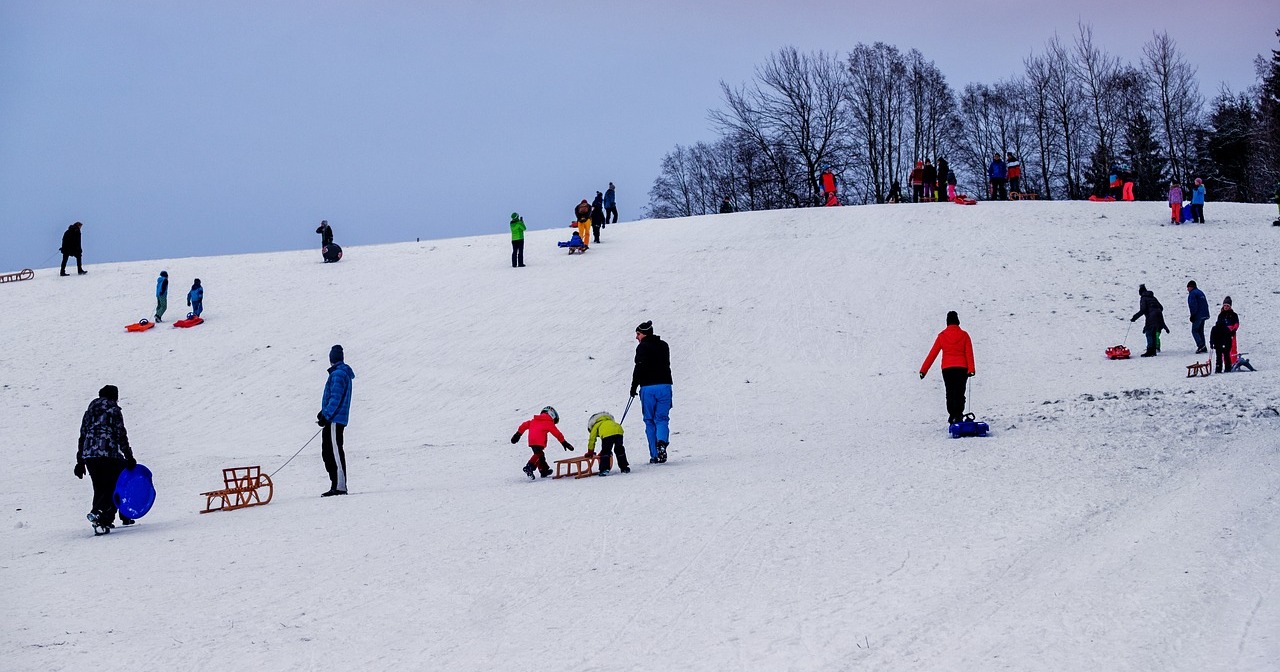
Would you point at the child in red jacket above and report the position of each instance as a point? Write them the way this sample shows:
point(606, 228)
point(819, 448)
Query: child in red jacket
point(542, 424)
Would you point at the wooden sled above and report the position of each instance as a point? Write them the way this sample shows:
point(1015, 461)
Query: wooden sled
point(24, 274)
point(577, 467)
point(1023, 196)
point(1202, 370)
point(242, 487)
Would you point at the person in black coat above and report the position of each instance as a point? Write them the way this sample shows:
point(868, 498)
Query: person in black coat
point(326, 233)
point(103, 451)
point(1220, 341)
point(71, 248)
point(597, 215)
point(1150, 307)
point(651, 378)
point(725, 206)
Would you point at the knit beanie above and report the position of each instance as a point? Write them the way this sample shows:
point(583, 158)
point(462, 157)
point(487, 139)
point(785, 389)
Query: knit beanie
point(1226, 301)
point(953, 318)
point(335, 354)
point(645, 328)
point(109, 392)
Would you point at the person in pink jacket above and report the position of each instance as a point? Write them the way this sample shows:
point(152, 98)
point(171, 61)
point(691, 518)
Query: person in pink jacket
point(539, 427)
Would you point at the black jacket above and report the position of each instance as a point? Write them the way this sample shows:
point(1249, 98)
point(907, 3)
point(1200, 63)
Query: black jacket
point(1220, 336)
point(653, 363)
point(930, 174)
point(102, 432)
point(326, 234)
point(71, 242)
point(1151, 308)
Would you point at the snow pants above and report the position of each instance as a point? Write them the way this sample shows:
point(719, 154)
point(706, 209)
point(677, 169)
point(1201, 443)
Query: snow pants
point(1175, 213)
point(1015, 184)
point(335, 458)
point(517, 253)
point(197, 307)
point(955, 378)
point(611, 215)
point(104, 472)
point(162, 304)
point(1197, 213)
point(539, 459)
point(610, 446)
point(655, 401)
point(584, 231)
point(1197, 332)
point(1222, 360)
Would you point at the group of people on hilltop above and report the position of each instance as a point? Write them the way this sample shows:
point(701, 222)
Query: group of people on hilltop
point(1177, 203)
point(929, 183)
point(650, 380)
point(1004, 176)
point(590, 218)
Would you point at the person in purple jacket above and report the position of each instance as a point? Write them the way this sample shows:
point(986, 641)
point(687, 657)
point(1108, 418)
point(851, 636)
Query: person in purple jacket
point(1175, 202)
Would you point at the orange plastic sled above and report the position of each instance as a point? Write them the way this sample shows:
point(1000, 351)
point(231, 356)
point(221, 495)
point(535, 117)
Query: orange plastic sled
point(142, 325)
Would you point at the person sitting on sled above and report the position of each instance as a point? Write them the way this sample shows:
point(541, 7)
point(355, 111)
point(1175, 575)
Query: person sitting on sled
point(575, 241)
point(538, 427)
point(604, 427)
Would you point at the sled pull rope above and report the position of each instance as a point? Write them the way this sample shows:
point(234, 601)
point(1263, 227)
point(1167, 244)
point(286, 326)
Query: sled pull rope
point(304, 447)
point(624, 411)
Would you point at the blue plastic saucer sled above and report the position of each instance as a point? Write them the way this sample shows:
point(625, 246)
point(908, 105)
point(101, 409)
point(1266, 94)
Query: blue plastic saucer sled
point(968, 426)
point(134, 492)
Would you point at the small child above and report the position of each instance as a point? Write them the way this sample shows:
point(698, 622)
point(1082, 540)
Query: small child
point(542, 424)
point(575, 242)
point(603, 426)
point(195, 298)
point(1175, 202)
point(1220, 341)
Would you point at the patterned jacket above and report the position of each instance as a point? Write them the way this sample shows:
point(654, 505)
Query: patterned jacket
point(102, 432)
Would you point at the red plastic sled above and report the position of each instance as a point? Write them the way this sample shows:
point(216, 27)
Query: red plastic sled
point(964, 200)
point(141, 325)
point(189, 322)
point(1107, 199)
point(1118, 352)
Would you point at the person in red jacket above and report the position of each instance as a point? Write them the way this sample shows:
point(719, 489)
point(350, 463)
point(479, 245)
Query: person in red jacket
point(542, 424)
point(957, 364)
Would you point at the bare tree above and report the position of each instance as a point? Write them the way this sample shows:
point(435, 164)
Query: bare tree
point(1178, 100)
point(1095, 72)
point(877, 105)
point(795, 108)
point(1064, 100)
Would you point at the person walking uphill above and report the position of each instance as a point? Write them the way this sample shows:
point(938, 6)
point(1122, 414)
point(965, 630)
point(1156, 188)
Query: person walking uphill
point(1198, 305)
point(582, 213)
point(195, 298)
point(1154, 323)
point(957, 364)
point(71, 248)
point(103, 451)
point(162, 295)
point(597, 215)
point(610, 206)
point(538, 427)
point(333, 418)
point(652, 378)
point(517, 241)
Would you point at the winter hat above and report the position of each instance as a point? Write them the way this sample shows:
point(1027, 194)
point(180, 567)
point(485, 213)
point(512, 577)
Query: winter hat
point(335, 354)
point(197, 283)
point(109, 392)
point(953, 318)
point(1226, 301)
point(645, 328)
point(515, 216)
point(1142, 288)
point(1191, 284)
point(164, 274)
point(1199, 181)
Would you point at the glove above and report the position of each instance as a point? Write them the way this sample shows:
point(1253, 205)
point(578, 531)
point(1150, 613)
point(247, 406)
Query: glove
point(515, 438)
point(972, 374)
point(321, 420)
point(1133, 319)
point(633, 391)
point(130, 463)
point(591, 453)
point(79, 470)
point(566, 446)
point(922, 375)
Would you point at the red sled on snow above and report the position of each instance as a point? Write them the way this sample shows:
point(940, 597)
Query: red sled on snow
point(961, 199)
point(1102, 199)
point(189, 322)
point(140, 325)
point(1118, 352)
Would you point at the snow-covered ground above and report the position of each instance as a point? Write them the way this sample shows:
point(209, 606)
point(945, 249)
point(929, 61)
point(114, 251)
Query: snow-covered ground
point(814, 515)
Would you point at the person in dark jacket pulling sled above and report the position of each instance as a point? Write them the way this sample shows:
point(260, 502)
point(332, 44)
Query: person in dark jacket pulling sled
point(71, 248)
point(103, 451)
point(652, 379)
point(1198, 305)
point(1154, 312)
point(162, 295)
point(957, 364)
point(333, 418)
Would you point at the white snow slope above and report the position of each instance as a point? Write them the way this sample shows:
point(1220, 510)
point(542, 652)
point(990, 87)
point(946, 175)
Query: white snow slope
point(814, 514)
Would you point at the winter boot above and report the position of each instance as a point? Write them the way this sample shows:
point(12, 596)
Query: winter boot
point(528, 471)
point(544, 473)
point(626, 470)
point(662, 452)
point(604, 472)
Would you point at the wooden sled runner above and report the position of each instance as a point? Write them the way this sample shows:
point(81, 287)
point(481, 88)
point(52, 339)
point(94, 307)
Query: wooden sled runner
point(24, 274)
point(242, 487)
point(1202, 370)
point(577, 467)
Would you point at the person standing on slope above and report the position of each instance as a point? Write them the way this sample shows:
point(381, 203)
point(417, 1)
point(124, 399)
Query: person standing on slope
point(71, 248)
point(582, 214)
point(333, 418)
point(162, 295)
point(998, 174)
point(1198, 305)
point(103, 451)
point(1227, 316)
point(930, 177)
point(610, 206)
point(195, 298)
point(1197, 203)
point(652, 378)
point(1150, 307)
point(604, 427)
point(326, 233)
point(1013, 172)
point(597, 215)
point(1175, 203)
point(517, 241)
point(957, 364)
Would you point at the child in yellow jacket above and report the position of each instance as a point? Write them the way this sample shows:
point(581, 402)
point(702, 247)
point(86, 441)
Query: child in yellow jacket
point(604, 427)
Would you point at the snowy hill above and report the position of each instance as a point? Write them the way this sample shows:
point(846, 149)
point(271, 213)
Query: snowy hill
point(814, 516)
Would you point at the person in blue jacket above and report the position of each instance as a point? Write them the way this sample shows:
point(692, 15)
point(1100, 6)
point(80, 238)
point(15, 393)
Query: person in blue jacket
point(997, 175)
point(332, 418)
point(1197, 204)
point(1199, 307)
point(195, 298)
point(610, 207)
point(162, 295)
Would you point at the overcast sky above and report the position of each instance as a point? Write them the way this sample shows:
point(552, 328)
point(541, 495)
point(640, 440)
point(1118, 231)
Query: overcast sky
point(174, 128)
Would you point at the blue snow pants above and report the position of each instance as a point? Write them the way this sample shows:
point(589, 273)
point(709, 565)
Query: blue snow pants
point(655, 400)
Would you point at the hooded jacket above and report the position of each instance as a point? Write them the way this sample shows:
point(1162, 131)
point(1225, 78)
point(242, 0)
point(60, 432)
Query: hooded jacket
point(1175, 195)
point(1154, 312)
point(162, 286)
point(956, 348)
point(539, 427)
point(102, 432)
point(609, 198)
point(601, 426)
point(71, 242)
point(517, 228)
point(196, 295)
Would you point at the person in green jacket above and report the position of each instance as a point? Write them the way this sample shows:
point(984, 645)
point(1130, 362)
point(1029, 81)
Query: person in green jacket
point(517, 241)
point(602, 426)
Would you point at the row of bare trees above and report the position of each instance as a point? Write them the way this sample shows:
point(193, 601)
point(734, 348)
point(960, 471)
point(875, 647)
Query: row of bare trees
point(1074, 115)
